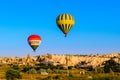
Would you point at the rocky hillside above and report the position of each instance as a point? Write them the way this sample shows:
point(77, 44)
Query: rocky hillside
point(70, 60)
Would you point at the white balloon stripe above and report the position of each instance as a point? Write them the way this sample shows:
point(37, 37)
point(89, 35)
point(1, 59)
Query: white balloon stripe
point(34, 42)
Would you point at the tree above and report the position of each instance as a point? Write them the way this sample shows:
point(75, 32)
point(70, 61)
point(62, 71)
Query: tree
point(13, 74)
point(111, 65)
point(26, 68)
point(16, 67)
point(70, 67)
point(32, 71)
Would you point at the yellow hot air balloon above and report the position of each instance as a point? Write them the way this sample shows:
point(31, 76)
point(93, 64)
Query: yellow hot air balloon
point(65, 22)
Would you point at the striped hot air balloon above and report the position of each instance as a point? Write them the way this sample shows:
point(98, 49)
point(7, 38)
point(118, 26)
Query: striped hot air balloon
point(65, 22)
point(34, 41)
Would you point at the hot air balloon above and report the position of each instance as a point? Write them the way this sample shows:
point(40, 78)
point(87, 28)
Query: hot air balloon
point(65, 22)
point(34, 41)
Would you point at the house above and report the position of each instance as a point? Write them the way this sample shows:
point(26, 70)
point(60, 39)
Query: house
point(43, 73)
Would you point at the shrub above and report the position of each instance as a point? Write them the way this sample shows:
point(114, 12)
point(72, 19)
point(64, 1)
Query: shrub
point(70, 67)
point(13, 74)
point(111, 65)
point(16, 67)
point(32, 71)
point(26, 68)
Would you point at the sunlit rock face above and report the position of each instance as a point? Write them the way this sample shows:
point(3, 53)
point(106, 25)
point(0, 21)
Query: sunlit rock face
point(67, 60)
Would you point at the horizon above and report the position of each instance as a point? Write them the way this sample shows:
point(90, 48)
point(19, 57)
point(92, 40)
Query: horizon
point(60, 55)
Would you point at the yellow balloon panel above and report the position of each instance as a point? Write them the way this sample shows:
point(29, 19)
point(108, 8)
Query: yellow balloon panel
point(65, 22)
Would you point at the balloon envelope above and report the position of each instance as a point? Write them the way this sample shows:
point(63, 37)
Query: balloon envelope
point(65, 22)
point(34, 41)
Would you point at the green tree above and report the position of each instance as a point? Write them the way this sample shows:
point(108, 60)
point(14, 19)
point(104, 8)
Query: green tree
point(13, 74)
point(32, 71)
point(111, 65)
point(70, 67)
point(16, 67)
point(26, 68)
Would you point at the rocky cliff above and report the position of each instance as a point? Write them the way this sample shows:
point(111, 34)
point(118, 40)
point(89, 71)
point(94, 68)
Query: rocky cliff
point(70, 60)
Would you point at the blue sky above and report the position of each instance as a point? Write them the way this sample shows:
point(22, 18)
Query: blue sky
point(96, 29)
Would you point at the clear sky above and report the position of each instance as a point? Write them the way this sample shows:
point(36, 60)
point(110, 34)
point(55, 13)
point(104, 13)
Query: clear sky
point(96, 29)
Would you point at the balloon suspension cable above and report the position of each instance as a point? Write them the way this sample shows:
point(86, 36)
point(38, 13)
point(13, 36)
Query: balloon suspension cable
point(65, 35)
point(34, 50)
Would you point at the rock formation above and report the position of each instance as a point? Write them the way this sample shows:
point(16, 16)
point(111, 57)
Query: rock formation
point(70, 60)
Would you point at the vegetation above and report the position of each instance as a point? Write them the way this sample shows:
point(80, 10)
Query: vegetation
point(109, 71)
point(111, 66)
point(13, 74)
